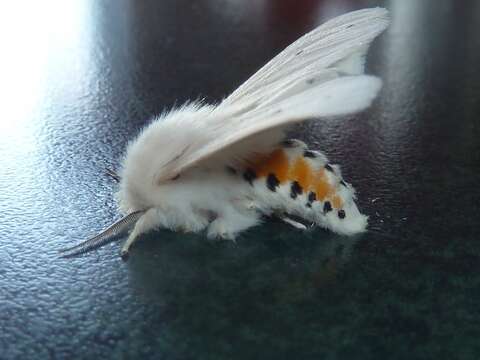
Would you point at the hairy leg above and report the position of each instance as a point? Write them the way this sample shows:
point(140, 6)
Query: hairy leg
point(231, 222)
point(147, 222)
point(176, 220)
point(291, 222)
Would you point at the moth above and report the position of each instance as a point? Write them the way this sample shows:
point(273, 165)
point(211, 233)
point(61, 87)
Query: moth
point(222, 168)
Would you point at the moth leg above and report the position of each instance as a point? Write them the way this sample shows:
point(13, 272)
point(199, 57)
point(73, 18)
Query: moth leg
point(184, 219)
point(292, 222)
point(147, 222)
point(230, 222)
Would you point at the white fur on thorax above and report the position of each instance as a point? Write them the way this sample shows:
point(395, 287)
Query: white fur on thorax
point(151, 153)
point(198, 199)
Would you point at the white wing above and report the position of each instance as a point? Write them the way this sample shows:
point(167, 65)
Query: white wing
point(339, 44)
point(319, 75)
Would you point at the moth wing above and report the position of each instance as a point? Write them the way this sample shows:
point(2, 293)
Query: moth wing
point(339, 44)
point(319, 75)
point(234, 136)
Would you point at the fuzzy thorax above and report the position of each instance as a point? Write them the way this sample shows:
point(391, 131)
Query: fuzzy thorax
point(192, 200)
point(151, 155)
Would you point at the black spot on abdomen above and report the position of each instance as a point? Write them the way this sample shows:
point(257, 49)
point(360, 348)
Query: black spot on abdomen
point(329, 167)
point(309, 154)
point(231, 170)
point(295, 190)
point(288, 143)
point(327, 207)
point(249, 175)
point(311, 198)
point(272, 182)
point(341, 214)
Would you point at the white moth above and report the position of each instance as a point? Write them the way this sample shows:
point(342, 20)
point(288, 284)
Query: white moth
point(221, 168)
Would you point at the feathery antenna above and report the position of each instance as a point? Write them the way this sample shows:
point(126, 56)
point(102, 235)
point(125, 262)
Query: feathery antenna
point(105, 237)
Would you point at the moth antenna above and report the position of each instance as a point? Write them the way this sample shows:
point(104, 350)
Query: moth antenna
point(112, 174)
point(104, 237)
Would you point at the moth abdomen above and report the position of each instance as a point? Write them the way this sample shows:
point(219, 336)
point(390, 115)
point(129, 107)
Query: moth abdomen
point(301, 182)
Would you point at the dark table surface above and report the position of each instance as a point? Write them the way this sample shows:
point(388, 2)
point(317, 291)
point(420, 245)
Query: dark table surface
point(78, 81)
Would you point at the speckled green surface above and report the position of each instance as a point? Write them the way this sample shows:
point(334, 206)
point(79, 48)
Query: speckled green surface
point(318, 296)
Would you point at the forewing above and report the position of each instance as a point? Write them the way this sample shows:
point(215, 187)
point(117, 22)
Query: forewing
point(319, 75)
point(339, 44)
point(242, 134)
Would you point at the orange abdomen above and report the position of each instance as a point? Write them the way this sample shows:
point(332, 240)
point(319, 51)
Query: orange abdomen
point(300, 172)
